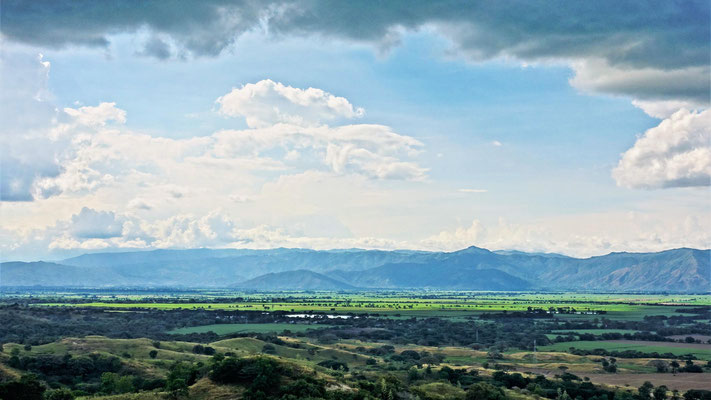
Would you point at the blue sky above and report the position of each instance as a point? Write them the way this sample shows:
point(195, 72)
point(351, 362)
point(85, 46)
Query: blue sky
point(532, 145)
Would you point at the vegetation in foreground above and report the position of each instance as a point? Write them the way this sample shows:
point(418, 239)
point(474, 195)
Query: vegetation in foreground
point(532, 352)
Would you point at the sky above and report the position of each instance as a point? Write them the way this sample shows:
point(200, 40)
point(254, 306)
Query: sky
point(573, 127)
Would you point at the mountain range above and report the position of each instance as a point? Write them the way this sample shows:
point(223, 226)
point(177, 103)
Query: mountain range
point(473, 268)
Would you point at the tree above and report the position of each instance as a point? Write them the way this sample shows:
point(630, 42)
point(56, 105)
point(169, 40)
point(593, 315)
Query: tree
point(334, 365)
point(108, 382)
point(27, 388)
point(412, 374)
point(59, 394)
point(153, 354)
point(125, 384)
point(660, 393)
point(176, 388)
point(485, 391)
point(563, 395)
point(675, 366)
point(645, 391)
point(623, 395)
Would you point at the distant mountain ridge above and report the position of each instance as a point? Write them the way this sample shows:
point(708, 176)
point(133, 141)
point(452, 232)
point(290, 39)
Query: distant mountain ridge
point(473, 268)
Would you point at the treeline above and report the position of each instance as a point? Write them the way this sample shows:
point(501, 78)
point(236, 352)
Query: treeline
point(647, 336)
point(629, 354)
point(501, 334)
point(35, 325)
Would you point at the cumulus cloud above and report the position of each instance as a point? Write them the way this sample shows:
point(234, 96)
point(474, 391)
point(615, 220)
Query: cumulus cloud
point(93, 224)
point(78, 150)
point(676, 153)
point(27, 151)
point(662, 109)
point(580, 235)
point(97, 116)
point(623, 42)
point(267, 103)
point(291, 119)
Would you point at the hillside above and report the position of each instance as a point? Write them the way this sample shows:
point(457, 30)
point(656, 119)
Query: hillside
point(42, 273)
point(433, 276)
point(294, 280)
point(678, 270)
point(138, 275)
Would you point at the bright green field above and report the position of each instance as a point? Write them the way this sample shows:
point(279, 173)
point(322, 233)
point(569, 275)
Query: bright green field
point(224, 329)
point(424, 303)
point(702, 353)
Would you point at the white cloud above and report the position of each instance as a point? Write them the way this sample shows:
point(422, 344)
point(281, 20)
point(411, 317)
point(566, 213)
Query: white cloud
point(80, 150)
point(27, 115)
point(139, 204)
point(289, 180)
point(496, 143)
point(676, 153)
point(93, 224)
point(581, 235)
point(663, 109)
point(149, 182)
point(97, 116)
point(371, 150)
point(267, 103)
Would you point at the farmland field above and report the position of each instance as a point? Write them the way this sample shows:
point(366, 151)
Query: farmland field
point(703, 351)
point(414, 303)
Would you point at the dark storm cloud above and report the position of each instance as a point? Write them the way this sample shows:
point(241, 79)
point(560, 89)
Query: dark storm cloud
point(631, 35)
point(156, 47)
point(203, 27)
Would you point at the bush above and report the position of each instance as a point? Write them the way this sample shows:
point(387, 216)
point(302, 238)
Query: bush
point(334, 365)
point(59, 394)
point(27, 388)
point(694, 394)
point(485, 391)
